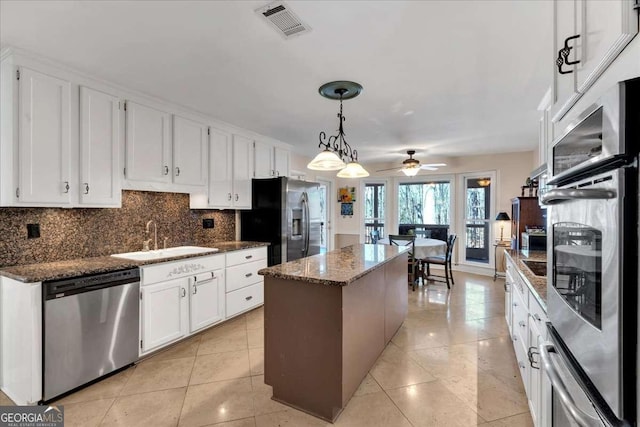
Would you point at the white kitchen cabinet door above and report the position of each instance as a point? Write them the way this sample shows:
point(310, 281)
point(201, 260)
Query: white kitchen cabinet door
point(534, 395)
point(44, 139)
point(99, 149)
point(164, 313)
point(189, 152)
point(263, 160)
point(148, 144)
point(220, 172)
point(281, 161)
point(242, 171)
point(566, 25)
point(606, 27)
point(207, 299)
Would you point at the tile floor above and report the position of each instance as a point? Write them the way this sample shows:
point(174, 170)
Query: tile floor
point(450, 364)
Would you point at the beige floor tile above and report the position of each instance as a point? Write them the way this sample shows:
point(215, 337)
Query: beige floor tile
point(494, 327)
point(367, 386)
point(289, 418)
point(414, 338)
point(255, 338)
point(86, 414)
point(372, 410)
point(157, 409)
point(162, 375)
point(109, 387)
point(230, 340)
point(444, 362)
point(221, 366)
point(238, 322)
point(255, 318)
point(431, 404)
point(217, 402)
point(186, 348)
point(4, 400)
point(521, 420)
point(262, 401)
point(246, 422)
point(391, 374)
point(256, 360)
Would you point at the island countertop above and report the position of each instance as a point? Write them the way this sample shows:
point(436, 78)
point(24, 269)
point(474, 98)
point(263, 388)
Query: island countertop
point(336, 268)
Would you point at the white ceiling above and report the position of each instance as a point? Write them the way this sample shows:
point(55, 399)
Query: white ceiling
point(445, 78)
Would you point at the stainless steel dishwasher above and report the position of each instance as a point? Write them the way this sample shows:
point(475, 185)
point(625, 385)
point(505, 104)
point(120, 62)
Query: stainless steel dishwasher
point(90, 328)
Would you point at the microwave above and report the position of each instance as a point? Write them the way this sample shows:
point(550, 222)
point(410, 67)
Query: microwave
point(534, 242)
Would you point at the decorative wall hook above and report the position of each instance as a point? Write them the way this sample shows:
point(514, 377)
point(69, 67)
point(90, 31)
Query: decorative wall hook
point(563, 55)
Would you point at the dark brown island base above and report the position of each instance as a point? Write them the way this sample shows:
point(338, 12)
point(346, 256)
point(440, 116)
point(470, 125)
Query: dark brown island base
point(327, 318)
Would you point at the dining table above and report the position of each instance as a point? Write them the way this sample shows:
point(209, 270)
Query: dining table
point(424, 247)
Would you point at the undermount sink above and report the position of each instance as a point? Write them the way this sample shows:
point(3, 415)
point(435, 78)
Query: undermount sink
point(538, 268)
point(164, 253)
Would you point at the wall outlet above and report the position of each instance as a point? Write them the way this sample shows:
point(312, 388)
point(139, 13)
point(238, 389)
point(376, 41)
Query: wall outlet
point(207, 223)
point(33, 231)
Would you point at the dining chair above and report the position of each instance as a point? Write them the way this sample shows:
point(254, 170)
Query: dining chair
point(444, 260)
point(375, 236)
point(408, 240)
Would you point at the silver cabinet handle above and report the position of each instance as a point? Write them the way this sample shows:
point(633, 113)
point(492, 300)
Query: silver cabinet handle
point(522, 323)
point(86, 188)
point(229, 196)
point(537, 317)
point(248, 275)
point(184, 292)
point(66, 186)
point(248, 257)
point(277, 173)
point(515, 338)
point(195, 289)
point(506, 288)
point(249, 298)
point(177, 171)
point(515, 304)
point(522, 365)
point(237, 197)
point(166, 170)
point(551, 368)
point(560, 195)
point(530, 353)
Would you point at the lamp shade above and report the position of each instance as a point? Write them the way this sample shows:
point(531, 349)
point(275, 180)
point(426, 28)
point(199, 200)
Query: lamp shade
point(326, 161)
point(353, 170)
point(503, 216)
point(412, 171)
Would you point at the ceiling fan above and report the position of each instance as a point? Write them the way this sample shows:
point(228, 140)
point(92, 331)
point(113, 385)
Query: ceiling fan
point(411, 166)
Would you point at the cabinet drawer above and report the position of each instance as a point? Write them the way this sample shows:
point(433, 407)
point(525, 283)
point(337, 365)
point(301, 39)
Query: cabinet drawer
point(247, 255)
point(240, 276)
point(523, 362)
point(538, 315)
point(244, 299)
point(177, 269)
point(520, 318)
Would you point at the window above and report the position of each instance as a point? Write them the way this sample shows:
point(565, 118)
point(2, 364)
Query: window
point(424, 203)
point(477, 224)
point(374, 205)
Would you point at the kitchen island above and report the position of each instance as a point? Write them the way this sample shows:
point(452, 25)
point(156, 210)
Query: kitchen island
point(327, 318)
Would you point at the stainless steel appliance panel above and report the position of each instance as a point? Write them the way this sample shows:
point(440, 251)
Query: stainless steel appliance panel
point(88, 335)
point(584, 302)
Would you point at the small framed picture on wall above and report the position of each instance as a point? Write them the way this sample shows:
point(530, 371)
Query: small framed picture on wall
point(347, 194)
point(346, 209)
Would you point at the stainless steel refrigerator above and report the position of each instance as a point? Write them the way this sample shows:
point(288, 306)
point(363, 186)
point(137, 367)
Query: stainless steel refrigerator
point(286, 213)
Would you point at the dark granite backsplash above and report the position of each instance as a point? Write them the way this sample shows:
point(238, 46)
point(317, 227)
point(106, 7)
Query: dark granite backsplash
point(77, 233)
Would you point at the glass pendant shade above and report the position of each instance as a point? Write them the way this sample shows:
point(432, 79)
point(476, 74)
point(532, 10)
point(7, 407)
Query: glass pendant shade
point(411, 171)
point(353, 170)
point(326, 161)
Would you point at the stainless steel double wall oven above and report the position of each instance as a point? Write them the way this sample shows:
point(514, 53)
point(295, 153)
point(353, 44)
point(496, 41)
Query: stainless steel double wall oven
point(591, 356)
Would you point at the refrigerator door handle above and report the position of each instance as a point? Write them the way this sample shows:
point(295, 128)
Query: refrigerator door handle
point(306, 222)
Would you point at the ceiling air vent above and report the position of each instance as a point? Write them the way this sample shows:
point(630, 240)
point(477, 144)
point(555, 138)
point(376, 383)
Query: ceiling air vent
point(283, 19)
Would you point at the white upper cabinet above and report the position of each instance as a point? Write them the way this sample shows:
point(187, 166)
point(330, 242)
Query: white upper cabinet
point(189, 152)
point(270, 161)
point(148, 144)
point(44, 139)
point(596, 31)
point(220, 173)
point(242, 171)
point(99, 183)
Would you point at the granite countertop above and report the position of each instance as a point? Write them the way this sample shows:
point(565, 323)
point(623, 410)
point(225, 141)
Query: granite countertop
point(537, 284)
point(336, 268)
point(30, 273)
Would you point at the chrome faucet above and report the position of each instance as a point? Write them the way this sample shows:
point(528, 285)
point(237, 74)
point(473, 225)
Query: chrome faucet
point(155, 234)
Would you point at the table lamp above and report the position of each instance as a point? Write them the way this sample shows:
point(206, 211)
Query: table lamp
point(502, 216)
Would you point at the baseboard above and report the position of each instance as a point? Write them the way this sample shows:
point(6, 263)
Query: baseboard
point(481, 271)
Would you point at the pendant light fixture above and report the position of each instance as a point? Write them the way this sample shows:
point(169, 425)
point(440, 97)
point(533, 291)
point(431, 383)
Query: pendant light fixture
point(336, 148)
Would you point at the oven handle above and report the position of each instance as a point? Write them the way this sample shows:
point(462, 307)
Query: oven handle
point(559, 195)
point(550, 367)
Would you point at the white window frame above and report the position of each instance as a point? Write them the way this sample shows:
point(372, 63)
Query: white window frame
point(387, 202)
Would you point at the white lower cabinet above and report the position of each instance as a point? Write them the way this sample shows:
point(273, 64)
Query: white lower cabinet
point(206, 299)
point(164, 313)
point(527, 327)
point(245, 287)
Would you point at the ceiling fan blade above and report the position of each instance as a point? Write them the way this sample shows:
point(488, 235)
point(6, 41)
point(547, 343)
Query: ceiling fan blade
point(434, 165)
point(428, 168)
point(391, 169)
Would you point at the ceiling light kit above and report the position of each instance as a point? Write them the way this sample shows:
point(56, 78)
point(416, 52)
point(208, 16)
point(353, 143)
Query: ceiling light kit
point(411, 166)
point(336, 148)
